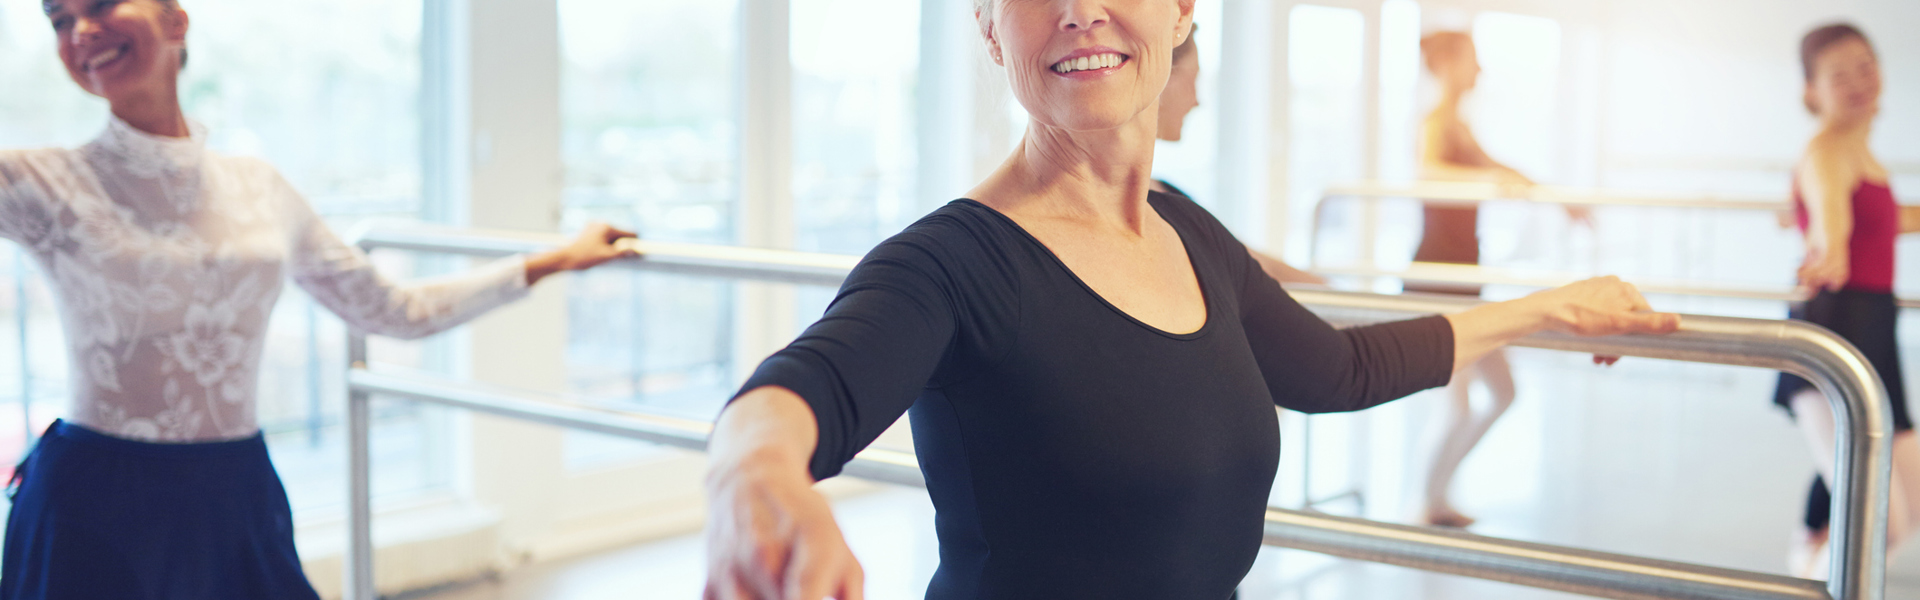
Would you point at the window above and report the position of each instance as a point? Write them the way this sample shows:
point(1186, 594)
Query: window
point(1324, 53)
point(854, 145)
point(1513, 114)
point(649, 137)
point(854, 64)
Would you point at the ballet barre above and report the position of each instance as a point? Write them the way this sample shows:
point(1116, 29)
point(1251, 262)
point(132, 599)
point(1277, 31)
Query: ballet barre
point(1542, 279)
point(1472, 194)
point(1469, 194)
point(1862, 417)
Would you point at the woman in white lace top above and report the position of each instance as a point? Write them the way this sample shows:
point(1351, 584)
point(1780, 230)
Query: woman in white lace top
point(168, 259)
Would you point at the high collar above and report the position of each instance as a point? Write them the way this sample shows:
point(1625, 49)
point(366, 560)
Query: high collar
point(144, 152)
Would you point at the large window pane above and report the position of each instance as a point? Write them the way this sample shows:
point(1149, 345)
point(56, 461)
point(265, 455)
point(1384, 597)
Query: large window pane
point(854, 63)
point(1324, 53)
point(648, 94)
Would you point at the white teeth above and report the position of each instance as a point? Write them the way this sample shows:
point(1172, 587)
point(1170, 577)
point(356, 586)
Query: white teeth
point(1084, 63)
point(103, 58)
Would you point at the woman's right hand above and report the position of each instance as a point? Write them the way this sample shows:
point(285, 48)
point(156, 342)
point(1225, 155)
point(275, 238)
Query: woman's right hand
point(1824, 271)
point(770, 536)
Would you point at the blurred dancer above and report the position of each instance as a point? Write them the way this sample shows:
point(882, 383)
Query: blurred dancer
point(1843, 205)
point(1449, 152)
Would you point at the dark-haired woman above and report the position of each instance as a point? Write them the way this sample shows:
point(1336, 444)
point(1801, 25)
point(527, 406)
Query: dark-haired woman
point(168, 259)
point(1180, 98)
point(1844, 206)
point(1091, 367)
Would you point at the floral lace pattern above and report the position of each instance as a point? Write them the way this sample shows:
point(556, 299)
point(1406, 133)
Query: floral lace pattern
point(168, 259)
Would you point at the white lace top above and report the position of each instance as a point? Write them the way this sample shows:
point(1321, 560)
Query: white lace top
point(168, 259)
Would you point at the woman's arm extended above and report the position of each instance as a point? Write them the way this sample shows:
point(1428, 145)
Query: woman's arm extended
point(1826, 186)
point(814, 405)
point(1595, 307)
point(1312, 367)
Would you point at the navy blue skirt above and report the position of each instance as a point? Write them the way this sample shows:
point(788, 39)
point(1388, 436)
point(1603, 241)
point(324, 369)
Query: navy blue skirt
point(97, 517)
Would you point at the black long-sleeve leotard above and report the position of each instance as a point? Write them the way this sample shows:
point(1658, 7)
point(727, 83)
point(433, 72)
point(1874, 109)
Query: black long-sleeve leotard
point(1070, 450)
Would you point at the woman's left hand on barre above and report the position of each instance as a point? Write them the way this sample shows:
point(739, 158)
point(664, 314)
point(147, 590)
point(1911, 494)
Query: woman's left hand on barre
point(596, 244)
point(1600, 306)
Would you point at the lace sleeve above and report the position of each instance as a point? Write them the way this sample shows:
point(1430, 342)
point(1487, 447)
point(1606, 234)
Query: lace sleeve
point(26, 215)
point(340, 277)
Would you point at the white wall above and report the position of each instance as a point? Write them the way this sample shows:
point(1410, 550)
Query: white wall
point(1714, 85)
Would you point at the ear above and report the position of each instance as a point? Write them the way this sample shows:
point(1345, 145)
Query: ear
point(1806, 97)
point(177, 26)
point(1184, 27)
point(989, 35)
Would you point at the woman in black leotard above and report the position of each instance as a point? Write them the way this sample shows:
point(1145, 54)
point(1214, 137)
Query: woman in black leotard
point(1091, 368)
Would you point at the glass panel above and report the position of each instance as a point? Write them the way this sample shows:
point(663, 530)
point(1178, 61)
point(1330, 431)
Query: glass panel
point(853, 128)
point(1325, 116)
point(853, 121)
point(1400, 113)
point(1514, 114)
point(648, 94)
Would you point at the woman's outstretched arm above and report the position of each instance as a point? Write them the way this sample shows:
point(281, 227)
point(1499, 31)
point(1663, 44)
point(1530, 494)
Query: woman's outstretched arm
point(341, 278)
point(1826, 186)
point(814, 405)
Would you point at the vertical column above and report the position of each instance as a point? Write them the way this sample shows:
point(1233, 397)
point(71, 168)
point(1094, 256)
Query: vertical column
point(515, 181)
point(1370, 126)
point(766, 312)
point(944, 101)
point(359, 560)
point(1252, 159)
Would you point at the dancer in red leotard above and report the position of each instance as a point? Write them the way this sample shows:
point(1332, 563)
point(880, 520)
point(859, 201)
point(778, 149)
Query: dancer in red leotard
point(1846, 209)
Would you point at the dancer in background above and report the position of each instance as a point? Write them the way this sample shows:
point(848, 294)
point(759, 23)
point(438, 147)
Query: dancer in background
point(1449, 152)
point(1843, 204)
point(168, 259)
point(1178, 101)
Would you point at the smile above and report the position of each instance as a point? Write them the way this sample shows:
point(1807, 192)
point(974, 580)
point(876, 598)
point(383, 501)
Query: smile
point(1095, 61)
point(105, 58)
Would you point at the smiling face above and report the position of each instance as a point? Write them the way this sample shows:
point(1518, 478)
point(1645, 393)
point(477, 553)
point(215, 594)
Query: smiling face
point(1846, 81)
point(1086, 65)
point(117, 49)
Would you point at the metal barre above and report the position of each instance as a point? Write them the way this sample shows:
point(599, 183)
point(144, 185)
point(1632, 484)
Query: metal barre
point(1476, 193)
point(1476, 274)
point(1860, 403)
point(1473, 193)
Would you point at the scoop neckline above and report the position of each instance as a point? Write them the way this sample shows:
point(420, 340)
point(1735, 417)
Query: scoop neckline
point(1199, 277)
